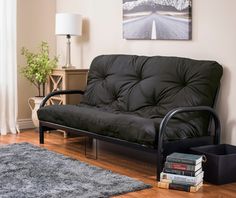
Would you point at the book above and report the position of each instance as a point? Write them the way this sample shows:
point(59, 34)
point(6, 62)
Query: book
point(182, 166)
point(183, 187)
point(184, 158)
point(181, 179)
point(182, 172)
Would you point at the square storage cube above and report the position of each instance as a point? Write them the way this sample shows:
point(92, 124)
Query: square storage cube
point(220, 165)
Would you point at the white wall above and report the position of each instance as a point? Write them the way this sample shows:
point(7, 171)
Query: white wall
point(35, 23)
point(214, 38)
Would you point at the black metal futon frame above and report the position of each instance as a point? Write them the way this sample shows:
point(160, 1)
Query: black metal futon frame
point(162, 148)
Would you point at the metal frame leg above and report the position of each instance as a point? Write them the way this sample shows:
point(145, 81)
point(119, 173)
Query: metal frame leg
point(160, 162)
point(96, 149)
point(41, 135)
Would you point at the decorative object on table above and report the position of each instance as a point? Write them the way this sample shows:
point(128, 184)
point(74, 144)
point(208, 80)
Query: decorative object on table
point(68, 25)
point(220, 163)
point(182, 172)
point(30, 171)
point(38, 67)
point(154, 19)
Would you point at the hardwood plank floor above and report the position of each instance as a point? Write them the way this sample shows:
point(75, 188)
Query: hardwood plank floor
point(119, 162)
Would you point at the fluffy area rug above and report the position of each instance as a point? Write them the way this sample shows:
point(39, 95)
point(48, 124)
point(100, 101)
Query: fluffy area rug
point(30, 171)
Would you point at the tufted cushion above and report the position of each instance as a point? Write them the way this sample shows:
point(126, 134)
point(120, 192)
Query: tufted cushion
point(131, 83)
point(151, 86)
point(127, 96)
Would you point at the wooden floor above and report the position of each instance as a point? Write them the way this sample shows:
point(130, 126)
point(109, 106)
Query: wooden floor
point(118, 162)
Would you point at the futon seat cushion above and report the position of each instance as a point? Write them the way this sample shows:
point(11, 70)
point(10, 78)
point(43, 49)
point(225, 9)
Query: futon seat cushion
point(123, 125)
point(115, 124)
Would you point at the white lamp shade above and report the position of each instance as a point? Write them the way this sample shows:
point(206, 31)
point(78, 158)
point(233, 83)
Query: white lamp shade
point(68, 24)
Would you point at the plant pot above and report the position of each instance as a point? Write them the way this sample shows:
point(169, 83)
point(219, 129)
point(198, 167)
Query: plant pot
point(34, 104)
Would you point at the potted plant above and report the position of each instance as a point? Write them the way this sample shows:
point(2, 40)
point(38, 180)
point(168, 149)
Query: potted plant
point(38, 67)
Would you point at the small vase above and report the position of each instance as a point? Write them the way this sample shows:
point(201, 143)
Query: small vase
point(34, 104)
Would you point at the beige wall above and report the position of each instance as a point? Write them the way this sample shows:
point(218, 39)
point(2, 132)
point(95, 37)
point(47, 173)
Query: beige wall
point(214, 38)
point(35, 23)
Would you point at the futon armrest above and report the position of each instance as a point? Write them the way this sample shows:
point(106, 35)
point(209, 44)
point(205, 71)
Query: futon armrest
point(178, 110)
point(61, 92)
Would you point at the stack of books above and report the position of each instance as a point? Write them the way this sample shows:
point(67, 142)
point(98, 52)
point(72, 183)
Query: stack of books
point(182, 172)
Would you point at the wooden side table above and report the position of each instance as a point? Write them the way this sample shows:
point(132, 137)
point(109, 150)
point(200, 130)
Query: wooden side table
point(66, 79)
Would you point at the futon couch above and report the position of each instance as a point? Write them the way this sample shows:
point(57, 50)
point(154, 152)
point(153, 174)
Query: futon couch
point(156, 104)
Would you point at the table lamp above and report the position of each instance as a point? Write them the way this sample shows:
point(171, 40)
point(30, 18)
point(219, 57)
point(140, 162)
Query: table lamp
point(68, 25)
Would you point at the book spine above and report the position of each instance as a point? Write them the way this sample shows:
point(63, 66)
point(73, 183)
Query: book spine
point(178, 160)
point(182, 179)
point(180, 166)
point(180, 172)
point(181, 187)
point(178, 182)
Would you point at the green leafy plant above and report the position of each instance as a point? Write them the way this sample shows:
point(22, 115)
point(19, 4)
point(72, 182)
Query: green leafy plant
point(38, 66)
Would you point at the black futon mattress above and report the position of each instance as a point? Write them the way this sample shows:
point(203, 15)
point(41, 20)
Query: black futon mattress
point(127, 96)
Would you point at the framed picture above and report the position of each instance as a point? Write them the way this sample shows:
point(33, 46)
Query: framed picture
point(157, 19)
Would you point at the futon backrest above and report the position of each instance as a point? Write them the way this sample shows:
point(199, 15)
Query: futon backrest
point(151, 85)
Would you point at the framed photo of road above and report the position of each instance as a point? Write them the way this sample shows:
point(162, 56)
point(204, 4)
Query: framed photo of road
point(157, 19)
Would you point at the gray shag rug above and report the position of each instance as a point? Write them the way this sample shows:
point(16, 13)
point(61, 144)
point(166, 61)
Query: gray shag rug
point(30, 171)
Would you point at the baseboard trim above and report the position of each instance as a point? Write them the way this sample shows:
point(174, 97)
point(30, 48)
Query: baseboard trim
point(25, 124)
